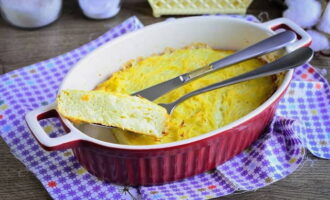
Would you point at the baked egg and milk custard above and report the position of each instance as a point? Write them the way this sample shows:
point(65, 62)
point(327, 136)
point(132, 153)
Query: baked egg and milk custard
point(202, 113)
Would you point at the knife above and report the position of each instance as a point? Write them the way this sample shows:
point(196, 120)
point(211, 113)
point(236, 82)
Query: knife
point(270, 44)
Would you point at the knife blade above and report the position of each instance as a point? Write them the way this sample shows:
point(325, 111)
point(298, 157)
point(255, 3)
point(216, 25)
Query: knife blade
point(158, 90)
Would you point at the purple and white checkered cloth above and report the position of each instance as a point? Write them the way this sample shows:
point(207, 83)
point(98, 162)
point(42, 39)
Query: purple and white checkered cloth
point(276, 154)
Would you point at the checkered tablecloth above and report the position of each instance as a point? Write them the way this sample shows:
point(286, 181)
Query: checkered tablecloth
point(302, 121)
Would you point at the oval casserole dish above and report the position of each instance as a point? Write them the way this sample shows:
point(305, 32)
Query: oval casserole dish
point(161, 163)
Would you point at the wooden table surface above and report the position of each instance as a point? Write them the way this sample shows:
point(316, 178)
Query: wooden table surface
point(19, 48)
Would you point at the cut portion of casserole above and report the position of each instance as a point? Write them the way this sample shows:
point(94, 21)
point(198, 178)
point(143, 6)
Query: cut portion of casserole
point(131, 113)
point(199, 114)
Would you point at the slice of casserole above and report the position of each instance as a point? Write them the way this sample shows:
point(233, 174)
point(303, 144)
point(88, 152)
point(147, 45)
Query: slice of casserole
point(127, 112)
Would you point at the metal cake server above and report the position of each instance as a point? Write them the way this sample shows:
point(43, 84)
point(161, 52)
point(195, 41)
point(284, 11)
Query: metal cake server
point(270, 44)
point(289, 61)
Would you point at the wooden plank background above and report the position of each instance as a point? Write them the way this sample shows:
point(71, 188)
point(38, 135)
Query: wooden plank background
point(19, 48)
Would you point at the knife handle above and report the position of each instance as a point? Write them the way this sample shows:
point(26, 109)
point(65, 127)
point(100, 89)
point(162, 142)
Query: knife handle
point(270, 44)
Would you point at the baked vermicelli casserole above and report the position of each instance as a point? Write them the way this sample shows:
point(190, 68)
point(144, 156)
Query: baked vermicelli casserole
point(199, 114)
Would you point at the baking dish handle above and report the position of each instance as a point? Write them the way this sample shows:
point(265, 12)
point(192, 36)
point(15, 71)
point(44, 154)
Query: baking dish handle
point(70, 140)
point(303, 38)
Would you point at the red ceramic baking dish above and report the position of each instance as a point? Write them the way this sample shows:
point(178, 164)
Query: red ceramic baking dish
point(97, 150)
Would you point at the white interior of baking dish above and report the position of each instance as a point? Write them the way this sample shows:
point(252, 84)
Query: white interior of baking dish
point(218, 32)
